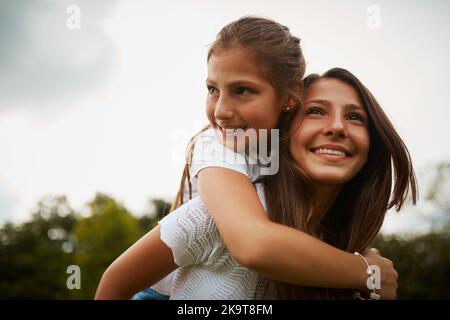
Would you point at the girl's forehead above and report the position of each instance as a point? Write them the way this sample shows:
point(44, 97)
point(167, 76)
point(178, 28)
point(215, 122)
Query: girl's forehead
point(333, 90)
point(234, 62)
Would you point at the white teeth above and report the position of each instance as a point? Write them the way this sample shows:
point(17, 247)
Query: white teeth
point(330, 151)
point(232, 130)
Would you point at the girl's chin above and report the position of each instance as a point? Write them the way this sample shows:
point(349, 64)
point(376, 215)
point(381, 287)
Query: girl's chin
point(336, 179)
point(237, 145)
point(236, 141)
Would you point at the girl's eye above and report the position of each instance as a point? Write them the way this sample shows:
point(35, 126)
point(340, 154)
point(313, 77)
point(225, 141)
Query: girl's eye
point(314, 111)
point(211, 90)
point(242, 91)
point(355, 116)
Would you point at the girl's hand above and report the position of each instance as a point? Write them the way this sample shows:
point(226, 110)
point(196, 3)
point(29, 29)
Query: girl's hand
point(389, 275)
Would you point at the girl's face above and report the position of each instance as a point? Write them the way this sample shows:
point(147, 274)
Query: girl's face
point(331, 143)
point(239, 93)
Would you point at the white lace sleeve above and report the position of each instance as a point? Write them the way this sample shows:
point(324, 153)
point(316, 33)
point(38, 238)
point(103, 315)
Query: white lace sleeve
point(191, 234)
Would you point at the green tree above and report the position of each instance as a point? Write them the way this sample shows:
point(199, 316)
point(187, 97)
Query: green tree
point(423, 264)
point(159, 208)
point(438, 194)
point(34, 255)
point(101, 238)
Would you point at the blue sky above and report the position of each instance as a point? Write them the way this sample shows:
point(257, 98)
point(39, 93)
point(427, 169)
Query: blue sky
point(110, 107)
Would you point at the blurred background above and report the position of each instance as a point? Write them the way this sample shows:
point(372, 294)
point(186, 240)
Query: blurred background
point(98, 100)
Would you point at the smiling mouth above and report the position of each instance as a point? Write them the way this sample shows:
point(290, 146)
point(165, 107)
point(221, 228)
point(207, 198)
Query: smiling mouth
point(330, 152)
point(230, 130)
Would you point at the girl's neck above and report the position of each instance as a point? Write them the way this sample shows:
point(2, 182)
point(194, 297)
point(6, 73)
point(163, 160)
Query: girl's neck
point(324, 196)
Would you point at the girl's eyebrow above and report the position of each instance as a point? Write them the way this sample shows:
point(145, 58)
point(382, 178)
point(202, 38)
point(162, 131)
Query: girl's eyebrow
point(350, 106)
point(235, 83)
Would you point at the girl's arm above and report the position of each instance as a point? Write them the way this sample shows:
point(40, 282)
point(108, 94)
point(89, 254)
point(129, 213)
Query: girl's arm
point(277, 251)
point(146, 262)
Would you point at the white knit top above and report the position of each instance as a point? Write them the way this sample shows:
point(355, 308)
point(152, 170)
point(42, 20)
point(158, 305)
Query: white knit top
point(207, 271)
point(209, 152)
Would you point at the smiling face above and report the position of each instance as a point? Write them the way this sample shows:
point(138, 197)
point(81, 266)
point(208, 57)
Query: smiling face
point(331, 143)
point(239, 93)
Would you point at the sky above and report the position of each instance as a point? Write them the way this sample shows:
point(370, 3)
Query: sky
point(109, 106)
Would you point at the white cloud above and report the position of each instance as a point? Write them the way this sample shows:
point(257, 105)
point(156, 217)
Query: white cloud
point(134, 77)
point(44, 64)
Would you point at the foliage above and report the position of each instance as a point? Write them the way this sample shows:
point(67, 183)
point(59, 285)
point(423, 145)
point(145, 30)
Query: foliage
point(34, 255)
point(423, 264)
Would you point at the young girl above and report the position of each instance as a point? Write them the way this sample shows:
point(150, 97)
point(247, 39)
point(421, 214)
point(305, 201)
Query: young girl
point(253, 225)
point(255, 68)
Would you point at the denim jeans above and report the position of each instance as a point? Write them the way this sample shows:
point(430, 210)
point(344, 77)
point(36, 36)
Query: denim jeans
point(150, 294)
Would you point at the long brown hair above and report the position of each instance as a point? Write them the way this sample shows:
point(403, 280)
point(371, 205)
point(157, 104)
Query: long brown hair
point(356, 216)
point(277, 51)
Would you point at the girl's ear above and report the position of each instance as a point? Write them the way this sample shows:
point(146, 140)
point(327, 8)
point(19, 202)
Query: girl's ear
point(291, 102)
point(290, 105)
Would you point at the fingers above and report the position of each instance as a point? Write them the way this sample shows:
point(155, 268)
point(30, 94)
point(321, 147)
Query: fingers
point(389, 262)
point(376, 251)
point(371, 250)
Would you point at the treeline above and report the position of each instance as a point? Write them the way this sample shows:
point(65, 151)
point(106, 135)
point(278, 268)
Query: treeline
point(34, 255)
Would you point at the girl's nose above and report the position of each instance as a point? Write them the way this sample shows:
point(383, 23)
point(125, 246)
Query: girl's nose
point(336, 127)
point(223, 109)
